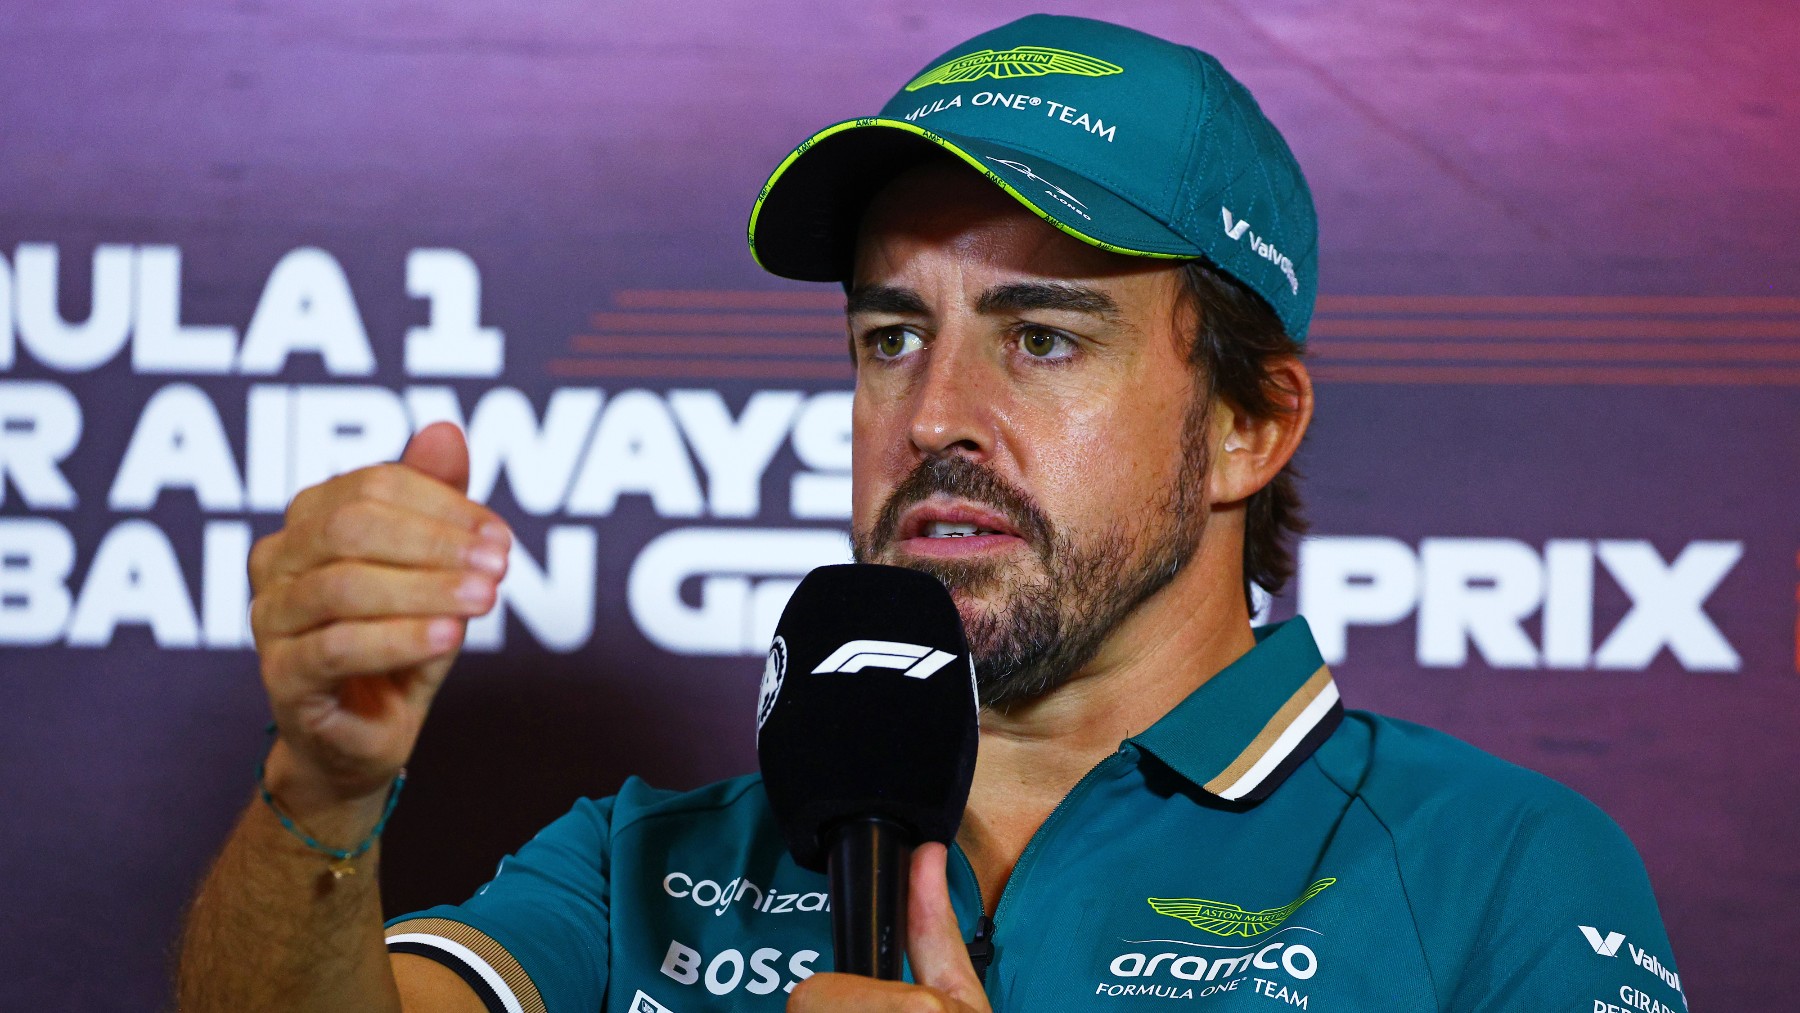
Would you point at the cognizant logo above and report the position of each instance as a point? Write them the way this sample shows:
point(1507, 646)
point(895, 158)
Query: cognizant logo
point(720, 897)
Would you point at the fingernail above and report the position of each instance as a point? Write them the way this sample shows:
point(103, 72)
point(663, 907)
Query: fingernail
point(474, 591)
point(496, 532)
point(487, 558)
point(441, 633)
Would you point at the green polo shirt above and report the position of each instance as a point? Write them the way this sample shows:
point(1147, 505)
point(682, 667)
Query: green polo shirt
point(1259, 848)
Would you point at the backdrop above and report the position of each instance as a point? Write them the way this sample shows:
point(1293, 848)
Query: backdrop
point(245, 245)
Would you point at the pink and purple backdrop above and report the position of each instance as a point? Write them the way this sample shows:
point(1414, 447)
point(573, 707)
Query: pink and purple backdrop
point(1557, 351)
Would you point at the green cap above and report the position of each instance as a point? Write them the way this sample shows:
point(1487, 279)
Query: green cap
point(1120, 139)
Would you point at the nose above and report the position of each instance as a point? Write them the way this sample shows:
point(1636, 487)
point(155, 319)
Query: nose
point(953, 400)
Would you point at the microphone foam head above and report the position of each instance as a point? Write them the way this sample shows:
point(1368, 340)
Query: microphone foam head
point(868, 707)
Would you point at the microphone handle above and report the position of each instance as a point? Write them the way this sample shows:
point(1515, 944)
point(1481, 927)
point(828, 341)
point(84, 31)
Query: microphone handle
point(868, 863)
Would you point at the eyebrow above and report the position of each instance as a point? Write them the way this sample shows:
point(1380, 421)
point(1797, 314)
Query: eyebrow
point(1044, 295)
point(1012, 298)
point(885, 299)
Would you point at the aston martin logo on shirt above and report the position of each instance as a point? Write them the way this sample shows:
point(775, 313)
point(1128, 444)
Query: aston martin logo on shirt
point(1019, 61)
point(1222, 919)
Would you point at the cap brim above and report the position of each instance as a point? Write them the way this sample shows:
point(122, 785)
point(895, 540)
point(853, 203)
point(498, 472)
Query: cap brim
point(805, 219)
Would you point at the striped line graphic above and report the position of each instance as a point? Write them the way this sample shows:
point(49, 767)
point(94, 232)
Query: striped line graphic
point(1683, 341)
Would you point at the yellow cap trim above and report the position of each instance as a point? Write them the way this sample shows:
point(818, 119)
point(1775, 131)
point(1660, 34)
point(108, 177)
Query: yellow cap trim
point(973, 161)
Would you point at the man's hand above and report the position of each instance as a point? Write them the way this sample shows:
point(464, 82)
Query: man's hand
point(360, 604)
point(946, 981)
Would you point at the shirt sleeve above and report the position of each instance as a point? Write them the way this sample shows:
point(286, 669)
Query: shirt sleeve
point(535, 938)
point(1571, 925)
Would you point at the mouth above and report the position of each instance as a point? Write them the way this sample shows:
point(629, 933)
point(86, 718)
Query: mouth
point(945, 528)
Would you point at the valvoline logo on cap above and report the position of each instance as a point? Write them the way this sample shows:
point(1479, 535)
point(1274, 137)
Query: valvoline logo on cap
point(1019, 61)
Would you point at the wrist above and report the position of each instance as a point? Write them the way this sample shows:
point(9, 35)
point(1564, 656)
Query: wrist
point(336, 812)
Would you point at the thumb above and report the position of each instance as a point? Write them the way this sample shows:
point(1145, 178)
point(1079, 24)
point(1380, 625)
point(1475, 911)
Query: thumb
point(440, 451)
point(934, 942)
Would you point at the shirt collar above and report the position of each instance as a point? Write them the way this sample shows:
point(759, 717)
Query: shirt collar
point(1247, 728)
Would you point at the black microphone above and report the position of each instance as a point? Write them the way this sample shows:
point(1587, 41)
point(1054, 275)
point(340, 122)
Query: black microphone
point(866, 733)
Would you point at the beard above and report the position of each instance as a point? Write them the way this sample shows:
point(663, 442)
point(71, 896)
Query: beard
point(1039, 628)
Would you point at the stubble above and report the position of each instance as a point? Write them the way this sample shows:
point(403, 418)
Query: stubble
point(1032, 628)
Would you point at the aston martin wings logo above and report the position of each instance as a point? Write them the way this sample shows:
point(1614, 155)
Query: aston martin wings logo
point(1223, 919)
point(1019, 61)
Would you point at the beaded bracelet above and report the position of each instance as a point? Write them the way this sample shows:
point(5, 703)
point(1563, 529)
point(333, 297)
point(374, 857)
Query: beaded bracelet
point(340, 857)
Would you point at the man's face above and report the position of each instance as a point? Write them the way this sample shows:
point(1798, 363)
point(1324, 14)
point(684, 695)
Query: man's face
point(1027, 426)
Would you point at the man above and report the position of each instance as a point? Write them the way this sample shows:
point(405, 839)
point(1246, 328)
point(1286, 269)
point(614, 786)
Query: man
point(1075, 305)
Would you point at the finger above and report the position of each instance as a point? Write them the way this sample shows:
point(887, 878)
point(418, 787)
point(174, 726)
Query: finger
point(358, 590)
point(851, 993)
point(296, 666)
point(265, 556)
point(398, 484)
point(378, 532)
point(934, 942)
point(439, 450)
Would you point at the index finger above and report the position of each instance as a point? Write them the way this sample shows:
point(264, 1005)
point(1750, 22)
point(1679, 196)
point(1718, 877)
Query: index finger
point(378, 532)
point(395, 485)
point(405, 486)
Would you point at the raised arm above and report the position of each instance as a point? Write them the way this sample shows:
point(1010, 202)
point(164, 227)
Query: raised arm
point(360, 605)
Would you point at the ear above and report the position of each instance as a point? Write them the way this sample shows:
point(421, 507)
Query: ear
point(1247, 453)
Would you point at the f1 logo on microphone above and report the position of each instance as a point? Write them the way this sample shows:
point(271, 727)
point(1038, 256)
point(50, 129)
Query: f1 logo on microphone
point(914, 662)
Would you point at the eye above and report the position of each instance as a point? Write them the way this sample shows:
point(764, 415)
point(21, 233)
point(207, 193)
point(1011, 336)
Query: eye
point(893, 342)
point(1043, 343)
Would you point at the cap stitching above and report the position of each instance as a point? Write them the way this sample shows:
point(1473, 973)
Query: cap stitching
point(1186, 161)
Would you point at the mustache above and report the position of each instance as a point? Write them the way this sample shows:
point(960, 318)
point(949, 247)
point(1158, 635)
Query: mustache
point(956, 475)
